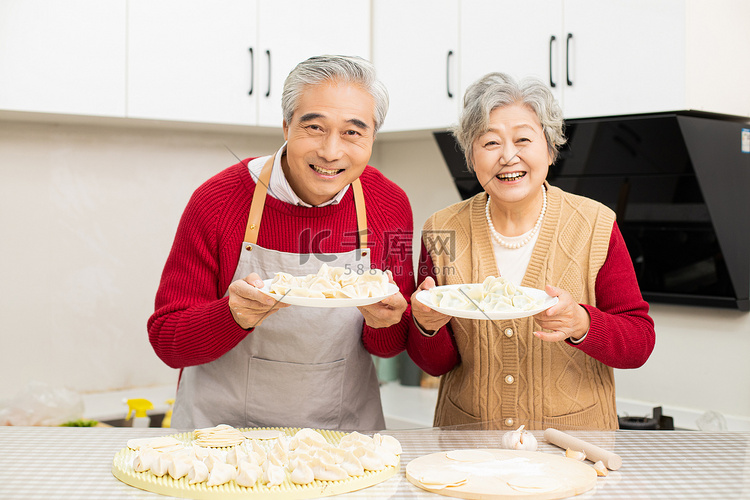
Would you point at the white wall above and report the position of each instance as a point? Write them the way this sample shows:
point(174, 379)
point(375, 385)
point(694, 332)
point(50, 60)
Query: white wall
point(87, 217)
point(88, 214)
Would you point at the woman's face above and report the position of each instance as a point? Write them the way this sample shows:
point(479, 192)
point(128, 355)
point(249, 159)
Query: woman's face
point(511, 159)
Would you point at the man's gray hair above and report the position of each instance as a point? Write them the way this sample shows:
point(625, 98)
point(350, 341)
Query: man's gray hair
point(496, 90)
point(340, 69)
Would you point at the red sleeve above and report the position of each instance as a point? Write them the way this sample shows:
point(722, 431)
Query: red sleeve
point(438, 354)
point(622, 333)
point(191, 324)
point(395, 234)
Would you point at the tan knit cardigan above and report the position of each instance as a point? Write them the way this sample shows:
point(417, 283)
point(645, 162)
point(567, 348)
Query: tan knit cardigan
point(506, 376)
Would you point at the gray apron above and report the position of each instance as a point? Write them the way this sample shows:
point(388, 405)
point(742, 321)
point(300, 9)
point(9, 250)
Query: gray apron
point(301, 367)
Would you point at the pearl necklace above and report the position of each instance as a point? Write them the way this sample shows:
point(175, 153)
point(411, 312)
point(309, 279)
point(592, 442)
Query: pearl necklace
point(531, 234)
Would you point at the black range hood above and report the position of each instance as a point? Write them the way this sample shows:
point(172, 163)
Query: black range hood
point(680, 186)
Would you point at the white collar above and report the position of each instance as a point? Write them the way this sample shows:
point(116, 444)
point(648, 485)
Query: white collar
point(279, 186)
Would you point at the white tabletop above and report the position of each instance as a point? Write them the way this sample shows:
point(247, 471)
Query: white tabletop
point(67, 462)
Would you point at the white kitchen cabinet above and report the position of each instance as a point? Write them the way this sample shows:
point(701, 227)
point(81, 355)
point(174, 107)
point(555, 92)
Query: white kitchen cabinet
point(225, 61)
point(193, 61)
point(415, 51)
point(622, 57)
point(641, 56)
point(291, 31)
point(519, 38)
point(63, 57)
point(615, 57)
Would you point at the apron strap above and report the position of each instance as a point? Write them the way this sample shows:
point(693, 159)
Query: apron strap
point(359, 205)
point(259, 201)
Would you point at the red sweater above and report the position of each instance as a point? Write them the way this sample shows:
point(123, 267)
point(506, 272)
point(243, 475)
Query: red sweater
point(621, 334)
point(192, 323)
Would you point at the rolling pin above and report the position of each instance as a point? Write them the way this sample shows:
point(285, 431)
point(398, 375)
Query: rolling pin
point(594, 453)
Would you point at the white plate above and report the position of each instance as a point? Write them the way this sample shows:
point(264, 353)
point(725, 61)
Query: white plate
point(425, 298)
point(318, 302)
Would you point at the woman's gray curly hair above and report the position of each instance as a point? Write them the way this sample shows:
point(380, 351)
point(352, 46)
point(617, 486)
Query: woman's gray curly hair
point(496, 90)
point(332, 68)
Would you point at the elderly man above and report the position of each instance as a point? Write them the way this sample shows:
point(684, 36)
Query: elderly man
point(245, 358)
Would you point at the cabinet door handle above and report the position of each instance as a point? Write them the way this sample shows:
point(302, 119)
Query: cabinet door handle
point(252, 71)
point(268, 54)
point(567, 59)
point(448, 74)
point(551, 82)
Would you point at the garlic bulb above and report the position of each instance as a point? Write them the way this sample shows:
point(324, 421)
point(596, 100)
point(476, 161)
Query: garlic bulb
point(519, 440)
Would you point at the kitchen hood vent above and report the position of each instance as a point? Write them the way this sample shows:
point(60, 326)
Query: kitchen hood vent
point(680, 186)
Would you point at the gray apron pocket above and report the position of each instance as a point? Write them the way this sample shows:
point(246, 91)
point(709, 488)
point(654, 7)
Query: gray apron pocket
point(286, 394)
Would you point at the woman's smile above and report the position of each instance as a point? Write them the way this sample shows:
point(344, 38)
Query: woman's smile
point(510, 176)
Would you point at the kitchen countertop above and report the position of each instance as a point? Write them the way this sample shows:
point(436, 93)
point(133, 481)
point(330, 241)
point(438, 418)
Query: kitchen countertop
point(71, 462)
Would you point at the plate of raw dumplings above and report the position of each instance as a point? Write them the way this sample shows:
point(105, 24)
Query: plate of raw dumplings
point(495, 298)
point(331, 287)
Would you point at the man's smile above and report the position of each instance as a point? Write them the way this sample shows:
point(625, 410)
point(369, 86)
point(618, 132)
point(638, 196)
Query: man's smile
point(324, 171)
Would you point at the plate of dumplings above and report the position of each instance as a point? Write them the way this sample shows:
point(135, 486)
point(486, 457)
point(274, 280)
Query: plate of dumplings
point(494, 299)
point(331, 287)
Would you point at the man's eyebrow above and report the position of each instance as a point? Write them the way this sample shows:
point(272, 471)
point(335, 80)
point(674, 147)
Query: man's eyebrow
point(310, 116)
point(358, 123)
point(352, 121)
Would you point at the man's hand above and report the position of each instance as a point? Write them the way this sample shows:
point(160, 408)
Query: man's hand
point(429, 319)
point(250, 306)
point(566, 319)
point(387, 312)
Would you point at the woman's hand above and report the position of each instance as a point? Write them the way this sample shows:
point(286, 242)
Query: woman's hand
point(428, 319)
point(250, 306)
point(387, 312)
point(566, 319)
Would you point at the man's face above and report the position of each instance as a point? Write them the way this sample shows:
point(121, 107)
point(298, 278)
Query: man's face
point(329, 140)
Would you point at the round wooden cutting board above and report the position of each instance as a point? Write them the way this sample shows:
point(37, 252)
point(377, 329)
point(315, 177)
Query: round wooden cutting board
point(493, 474)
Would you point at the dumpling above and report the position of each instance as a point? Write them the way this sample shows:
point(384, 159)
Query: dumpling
point(274, 475)
point(258, 452)
point(355, 439)
point(145, 459)
point(369, 459)
point(327, 472)
point(453, 299)
point(389, 443)
point(161, 465)
point(236, 455)
point(180, 466)
point(248, 474)
point(308, 436)
point(302, 474)
point(351, 464)
point(348, 277)
point(524, 302)
point(221, 473)
point(198, 472)
point(497, 303)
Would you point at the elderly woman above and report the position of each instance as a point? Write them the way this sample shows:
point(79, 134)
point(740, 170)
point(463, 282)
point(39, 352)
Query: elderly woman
point(554, 369)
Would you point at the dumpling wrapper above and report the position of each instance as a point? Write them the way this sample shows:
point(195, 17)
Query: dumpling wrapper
point(263, 434)
point(534, 484)
point(471, 456)
point(438, 479)
point(164, 443)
